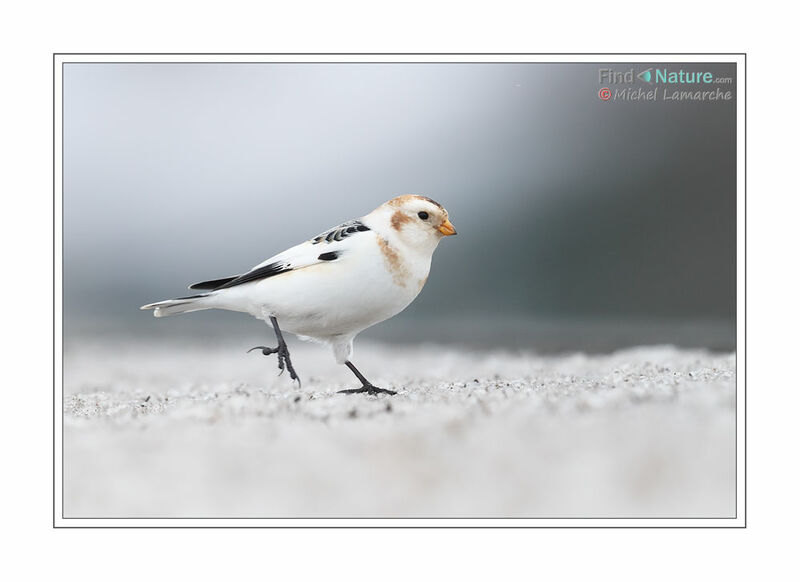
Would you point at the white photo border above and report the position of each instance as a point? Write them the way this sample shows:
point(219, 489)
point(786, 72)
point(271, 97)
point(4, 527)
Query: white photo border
point(739, 521)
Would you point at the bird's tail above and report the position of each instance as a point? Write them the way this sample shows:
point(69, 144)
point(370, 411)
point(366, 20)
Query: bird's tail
point(179, 305)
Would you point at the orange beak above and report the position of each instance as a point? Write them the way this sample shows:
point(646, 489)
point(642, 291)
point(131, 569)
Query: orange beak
point(447, 228)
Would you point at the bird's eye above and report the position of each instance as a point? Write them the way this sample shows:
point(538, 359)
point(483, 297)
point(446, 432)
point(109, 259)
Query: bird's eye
point(423, 215)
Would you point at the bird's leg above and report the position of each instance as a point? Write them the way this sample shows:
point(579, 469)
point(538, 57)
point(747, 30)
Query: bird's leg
point(284, 360)
point(366, 384)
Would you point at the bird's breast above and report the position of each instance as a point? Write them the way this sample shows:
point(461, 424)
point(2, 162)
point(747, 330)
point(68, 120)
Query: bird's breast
point(406, 270)
point(395, 266)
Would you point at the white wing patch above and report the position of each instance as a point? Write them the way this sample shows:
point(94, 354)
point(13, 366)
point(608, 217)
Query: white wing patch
point(325, 247)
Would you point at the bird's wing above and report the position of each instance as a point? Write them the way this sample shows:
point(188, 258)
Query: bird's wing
point(327, 246)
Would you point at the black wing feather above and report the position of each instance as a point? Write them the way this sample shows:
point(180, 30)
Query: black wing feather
point(261, 273)
point(337, 233)
point(212, 284)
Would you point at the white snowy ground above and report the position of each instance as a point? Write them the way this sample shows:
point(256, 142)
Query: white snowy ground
point(169, 430)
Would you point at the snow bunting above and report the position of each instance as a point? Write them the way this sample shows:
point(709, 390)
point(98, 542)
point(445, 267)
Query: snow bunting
point(334, 286)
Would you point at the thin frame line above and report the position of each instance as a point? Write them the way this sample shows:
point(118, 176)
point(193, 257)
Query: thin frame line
point(55, 55)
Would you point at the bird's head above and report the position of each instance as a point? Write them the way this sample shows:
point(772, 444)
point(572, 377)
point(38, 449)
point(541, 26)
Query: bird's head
point(416, 221)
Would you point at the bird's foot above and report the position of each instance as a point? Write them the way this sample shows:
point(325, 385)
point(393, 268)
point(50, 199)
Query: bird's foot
point(369, 389)
point(284, 360)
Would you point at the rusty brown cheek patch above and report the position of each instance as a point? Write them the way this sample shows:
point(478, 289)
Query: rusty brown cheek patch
point(393, 263)
point(399, 219)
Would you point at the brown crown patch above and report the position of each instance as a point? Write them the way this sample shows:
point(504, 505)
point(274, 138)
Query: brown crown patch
point(399, 218)
point(400, 200)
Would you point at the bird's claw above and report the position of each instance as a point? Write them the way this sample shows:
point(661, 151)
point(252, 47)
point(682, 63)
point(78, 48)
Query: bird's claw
point(264, 350)
point(369, 389)
point(284, 360)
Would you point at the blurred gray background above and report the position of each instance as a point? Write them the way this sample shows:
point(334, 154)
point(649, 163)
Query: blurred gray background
point(583, 224)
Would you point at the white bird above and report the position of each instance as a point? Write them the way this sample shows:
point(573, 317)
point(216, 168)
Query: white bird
point(336, 285)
